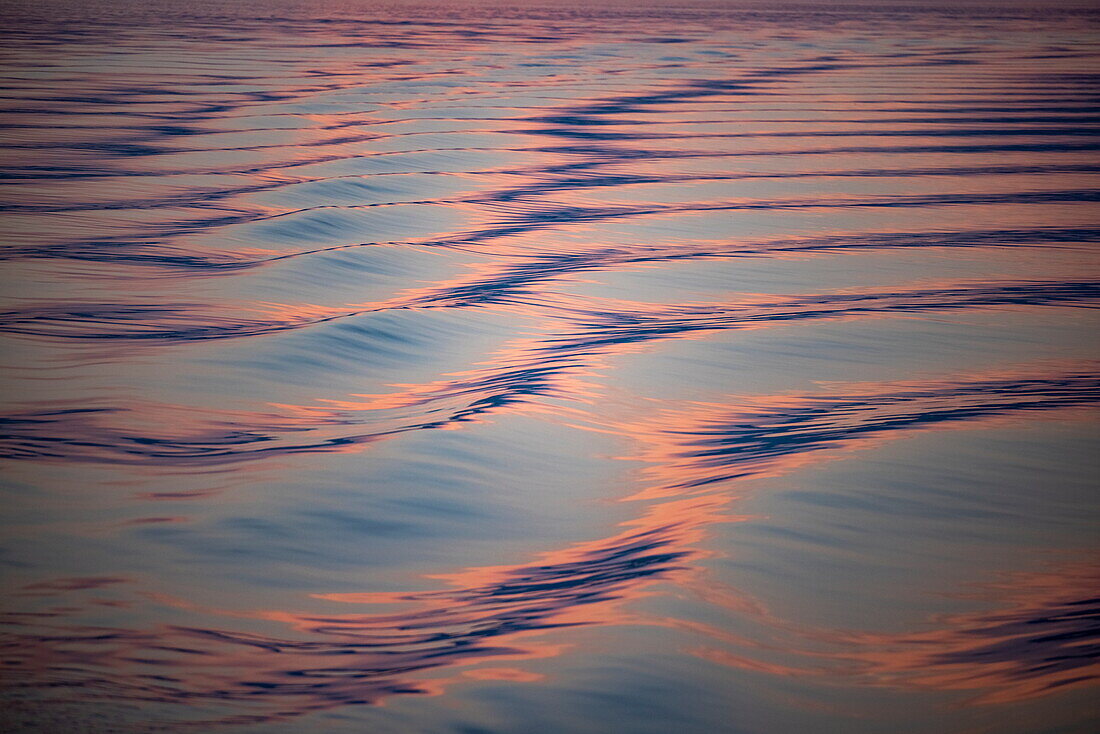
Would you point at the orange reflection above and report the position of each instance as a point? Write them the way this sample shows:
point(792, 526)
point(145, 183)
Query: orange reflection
point(490, 613)
point(1037, 638)
point(553, 181)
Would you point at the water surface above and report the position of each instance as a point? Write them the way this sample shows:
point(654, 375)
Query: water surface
point(704, 367)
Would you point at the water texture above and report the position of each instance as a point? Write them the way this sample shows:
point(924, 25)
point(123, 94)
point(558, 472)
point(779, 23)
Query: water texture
point(549, 368)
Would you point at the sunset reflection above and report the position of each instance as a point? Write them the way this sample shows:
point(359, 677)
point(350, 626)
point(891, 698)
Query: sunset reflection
point(547, 368)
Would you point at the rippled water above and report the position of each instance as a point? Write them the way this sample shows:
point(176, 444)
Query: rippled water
point(549, 368)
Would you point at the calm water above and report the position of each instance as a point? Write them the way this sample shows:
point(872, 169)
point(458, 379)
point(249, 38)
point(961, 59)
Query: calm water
point(549, 368)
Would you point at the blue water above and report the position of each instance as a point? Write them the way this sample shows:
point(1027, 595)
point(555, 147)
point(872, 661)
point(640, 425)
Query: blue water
point(530, 368)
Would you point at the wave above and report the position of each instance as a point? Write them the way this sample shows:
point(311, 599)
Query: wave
point(202, 213)
point(487, 613)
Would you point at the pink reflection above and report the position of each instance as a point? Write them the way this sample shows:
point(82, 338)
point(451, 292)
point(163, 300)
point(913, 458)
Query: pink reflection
point(1036, 638)
point(168, 199)
point(488, 614)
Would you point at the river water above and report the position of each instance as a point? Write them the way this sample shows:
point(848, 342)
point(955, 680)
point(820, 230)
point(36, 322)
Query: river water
point(549, 368)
